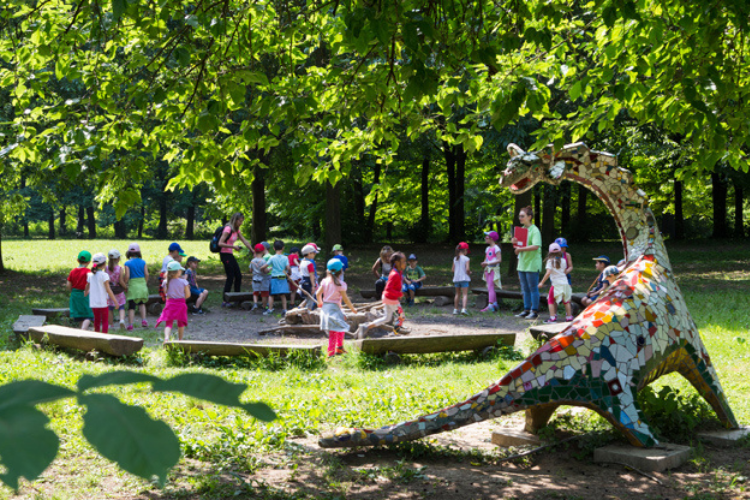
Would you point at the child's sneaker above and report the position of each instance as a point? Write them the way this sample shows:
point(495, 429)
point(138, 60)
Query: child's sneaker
point(455, 312)
point(226, 304)
point(144, 323)
point(532, 315)
point(283, 312)
point(267, 312)
point(523, 314)
point(495, 307)
point(552, 319)
point(198, 312)
point(255, 307)
point(568, 318)
point(122, 324)
point(130, 328)
point(464, 312)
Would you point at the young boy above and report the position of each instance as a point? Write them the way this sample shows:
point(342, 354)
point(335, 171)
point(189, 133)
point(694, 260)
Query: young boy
point(309, 274)
point(76, 283)
point(175, 254)
point(191, 273)
point(279, 266)
point(338, 253)
point(596, 288)
point(261, 281)
point(413, 278)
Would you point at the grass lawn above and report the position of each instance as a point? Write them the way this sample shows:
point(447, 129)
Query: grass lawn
point(312, 396)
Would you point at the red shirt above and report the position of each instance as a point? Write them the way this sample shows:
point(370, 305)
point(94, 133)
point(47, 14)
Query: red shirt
point(392, 290)
point(77, 277)
point(293, 260)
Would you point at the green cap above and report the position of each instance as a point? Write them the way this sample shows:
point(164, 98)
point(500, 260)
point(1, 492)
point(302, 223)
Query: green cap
point(337, 247)
point(84, 256)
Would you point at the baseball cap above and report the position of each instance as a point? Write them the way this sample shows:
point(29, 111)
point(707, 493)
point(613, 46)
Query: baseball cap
point(493, 235)
point(259, 247)
point(611, 271)
point(84, 256)
point(554, 247)
point(99, 259)
point(334, 265)
point(176, 247)
point(309, 249)
point(562, 242)
point(412, 257)
point(464, 246)
point(602, 258)
point(114, 254)
point(265, 244)
point(193, 259)
point(337, 247)
point(174, 266)
point(134, 247)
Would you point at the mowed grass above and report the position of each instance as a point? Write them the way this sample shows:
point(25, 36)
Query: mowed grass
point(311, 396)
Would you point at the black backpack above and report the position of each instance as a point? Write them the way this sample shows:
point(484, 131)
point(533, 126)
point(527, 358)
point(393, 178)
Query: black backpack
point(213, 245)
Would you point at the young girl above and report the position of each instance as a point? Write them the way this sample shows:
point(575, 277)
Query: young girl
point(178, 291)
point(382, 269)
point(295, 275)
point(564, 245)
point(556, 266)
point(135, 281)
point(491, 267)
point(332, 289)
point(79, 305)
point(115, 284)
point(97, 290)
point(391, 298)
point(309, 276)
point(461, 277)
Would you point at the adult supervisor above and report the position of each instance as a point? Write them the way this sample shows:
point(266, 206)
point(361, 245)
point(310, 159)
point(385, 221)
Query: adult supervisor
point(229, 237)
point(529, 264)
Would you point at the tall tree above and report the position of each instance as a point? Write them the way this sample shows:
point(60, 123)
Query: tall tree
point(719, 197)
point(258, 229)
point(333, 215)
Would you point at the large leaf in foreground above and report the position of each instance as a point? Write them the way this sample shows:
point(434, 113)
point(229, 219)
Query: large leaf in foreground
point(128, 436)
point(113, 378)
point(27, 447)
point(216, 390)
point(31, 392)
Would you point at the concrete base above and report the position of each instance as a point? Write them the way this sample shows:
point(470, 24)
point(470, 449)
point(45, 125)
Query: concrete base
point(514, 437)
point(667, 456)
point(725, 437)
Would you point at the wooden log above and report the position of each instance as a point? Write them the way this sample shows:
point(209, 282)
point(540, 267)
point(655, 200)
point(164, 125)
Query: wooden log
point(433, 343)
point(232, 349)
point(242, 296)
point(576, 298)
point(548, 330)
point(51, 313)
point(22, 325)
point(425, 291)
point(443, 301)
point(292, 329)
point(82, 340)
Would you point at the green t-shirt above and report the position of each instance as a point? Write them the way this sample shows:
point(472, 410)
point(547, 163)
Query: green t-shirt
point(531, 261)
point(414, 274)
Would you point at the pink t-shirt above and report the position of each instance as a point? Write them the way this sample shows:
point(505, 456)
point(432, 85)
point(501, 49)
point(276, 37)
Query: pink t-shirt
point(233, 235)
point(331, 292)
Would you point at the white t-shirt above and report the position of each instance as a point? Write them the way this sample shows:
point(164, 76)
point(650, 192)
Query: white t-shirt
point(459, 269)
point(558, 276)
point(165, 263)
point(97, 292)
point(492, 254)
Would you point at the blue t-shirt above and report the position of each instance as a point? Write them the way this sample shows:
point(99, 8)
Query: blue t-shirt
point(343, 260)
point(136, 267)
point(278, 264)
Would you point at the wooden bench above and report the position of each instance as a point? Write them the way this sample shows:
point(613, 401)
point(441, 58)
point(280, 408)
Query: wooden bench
point(83, 340)
point(153, 304)
point(23, 323)
point(232, 349)
point(548, 330)
point(425, 291)
point(433, 343)
point(517, 295)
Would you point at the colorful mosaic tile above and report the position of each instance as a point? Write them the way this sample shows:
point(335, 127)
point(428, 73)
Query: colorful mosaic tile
point(637, 331)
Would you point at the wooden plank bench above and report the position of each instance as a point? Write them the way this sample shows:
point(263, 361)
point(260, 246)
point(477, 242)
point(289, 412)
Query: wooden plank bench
point(425, 291)
point(22, 325)
point(433, 343)
point(233, 349)
point(51, 313)
point(153, 304)
point(517, 295)
point(547, 330)
point(83, 340)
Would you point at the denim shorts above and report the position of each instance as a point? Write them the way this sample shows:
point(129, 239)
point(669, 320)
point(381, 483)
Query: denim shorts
point(461, 284)
point(196, 291)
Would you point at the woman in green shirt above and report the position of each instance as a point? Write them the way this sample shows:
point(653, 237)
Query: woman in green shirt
point(529, 264)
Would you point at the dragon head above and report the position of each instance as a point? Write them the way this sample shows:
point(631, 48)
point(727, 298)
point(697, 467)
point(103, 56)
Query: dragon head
point(524, 170)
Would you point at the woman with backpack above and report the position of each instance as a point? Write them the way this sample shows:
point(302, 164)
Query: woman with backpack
point(229, 236)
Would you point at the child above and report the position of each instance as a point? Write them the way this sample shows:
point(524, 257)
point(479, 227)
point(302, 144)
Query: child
point(383, 263)
point(491, 265)
point(296, 277)
point(598, 285)
point(177, 292)
point(261, 281)
point(461, 277)
point(175, 254)
point(76, 284)
point(413, 279)
point(332, 319)
point(564, 245)
point(266, 253)
point(191, 275)
point(338, 253)
point(610, 274)
point(115, 284)
point(135, 280)
point(391, 298)
point(279, 267)
point(309, 276)
point(97, 289)
point(556, 266)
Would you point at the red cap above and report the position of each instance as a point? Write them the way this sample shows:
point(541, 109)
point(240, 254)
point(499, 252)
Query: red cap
point(260, 248)
point(464, 246)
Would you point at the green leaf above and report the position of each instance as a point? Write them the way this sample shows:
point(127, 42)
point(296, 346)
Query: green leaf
point(27, 447)
point(30, 392)
point(216, 390)
point(113, 378)
point(128, 436)
point(575, 91)
point(118, 7)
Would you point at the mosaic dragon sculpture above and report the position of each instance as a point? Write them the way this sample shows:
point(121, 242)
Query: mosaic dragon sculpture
point(637, 331)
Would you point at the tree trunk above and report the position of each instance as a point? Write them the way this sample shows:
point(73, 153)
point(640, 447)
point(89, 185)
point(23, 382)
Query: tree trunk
point(120, 230)
point(450, 166)
point(739, 219)
point(92, 222)
point(460, 214)
point(719, 195)
point(424, 220)
point(522, 200)
point(258, 187)
point(190, 224)
point(538, 204)
point(582, 213)
point(2, 266)
point(389, 230)
point(81, 221)
point(161, 230)
point(679, 218)
point(141, 222)
point(548, 214)
point(370, 229)
point(25, 220)
point(51, 234)
point(359, 199)
point(564, 196)
point(333, 215)
point(63, 221)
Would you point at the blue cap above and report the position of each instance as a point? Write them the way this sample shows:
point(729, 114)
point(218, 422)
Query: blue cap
point(176, 247)
point(602, 258)
point(266, 244)
point(562, 242)
point(335, 265)
point(412, 257)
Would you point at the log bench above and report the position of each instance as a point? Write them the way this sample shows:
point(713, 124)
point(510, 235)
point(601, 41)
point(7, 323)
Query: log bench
point(517, 295)
point(234, 349)
point(425, 291)
point(83, 340)
point(153, 304)
point(23, 323)
point(433, 343)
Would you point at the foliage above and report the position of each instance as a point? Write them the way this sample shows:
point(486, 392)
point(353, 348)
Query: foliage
point(673, 416)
